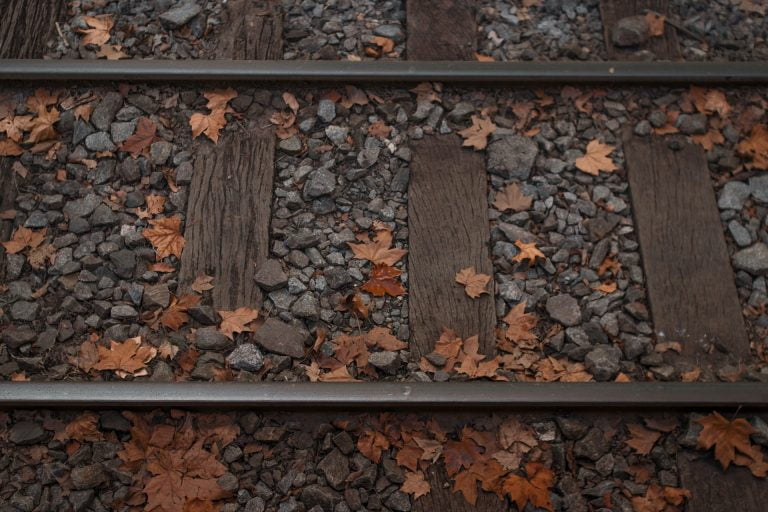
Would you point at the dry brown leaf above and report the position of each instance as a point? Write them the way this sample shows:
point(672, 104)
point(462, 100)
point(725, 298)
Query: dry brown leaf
point(484, 58)
point(474, 284)
point(291, 101)
point(112, 52)
point(10, 148)
point(142, 138)
point(202, 283)
point(527, 252)
point(476, 136)
point(596, 159)
point(534, 489)
point(512, 198)
point(709, 101)
point(379, 129)
point(127, 358)
point(237, 321)
point(98, 34)
point(727, 437)
point(756, 147)
point(641, 439)
point(165, 236)
point(175, 315)
point(208, 124)
point(655, 24)
point(378, 251)
point(23, 238)
point(415, 484)
point(519, 324)
point(383, 281)
point(753, 6)
point(386, 44)
point(709, 139)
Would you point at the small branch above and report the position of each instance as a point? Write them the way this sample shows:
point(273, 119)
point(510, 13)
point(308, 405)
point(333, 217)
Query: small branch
point(61, 35)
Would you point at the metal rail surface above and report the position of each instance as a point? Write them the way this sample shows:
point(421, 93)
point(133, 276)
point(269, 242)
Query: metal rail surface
point(417, 395)
point(385, 71)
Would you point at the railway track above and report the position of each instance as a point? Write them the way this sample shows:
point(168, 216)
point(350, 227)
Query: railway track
point(646, 271)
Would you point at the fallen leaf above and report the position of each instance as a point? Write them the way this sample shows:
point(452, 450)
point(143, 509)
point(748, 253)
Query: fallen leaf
point(379, 129)
point(10, 148)
point(474, 284)
point(291, 101)
point(209, 124)
point(98, 34)
point(415, 484)
point(512, 198)
point(691, 376)
point(175, 315)
point(386, 44)
point(527, 252)
point(461, 454)
point(371, 443)
point(142, 138)
point(236, 321)
point(383, 281)
point(23, 238)
point(483, 58)
point(155, 204)
point(519, 324)
point(753, 6)
point(709, 101)
point(112, 52)
point(655, 24)
point(596, 159)
point(756, 147)
point(381, 337)
point(534, 489)
point(378, 251)
point(641, 439)
point(41, 126)
point(165, 236)
point(726, 436)
point(476, 136)
point(127, 358)
point(219, 98)
point(202, 283)
point(709, 139)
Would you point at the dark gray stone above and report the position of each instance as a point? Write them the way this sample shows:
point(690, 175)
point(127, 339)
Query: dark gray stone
point(386, 361)
point(732, 195)
point(593, 446)
point(326, 110)
point(393, 32)
point(210, 338)
point(104, 113)
point(88, 477)
point(319, 183)
point(337, 277)
point(564, 309)
point(26, 432)
point(630, 31)
point(99, 141)
point(335, 469)
point(692, 124)
point(753, 259)
point(24, 311)
point(314, 495)
point(281, 338)
point(82, 207)
point(270, 276)
point(512, 157)
point(603, 362)
point(181, 14)
point(246, 357)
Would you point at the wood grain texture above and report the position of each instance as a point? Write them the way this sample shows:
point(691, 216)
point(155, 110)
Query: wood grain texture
point(252, 29)
point(714, 490)
point(443, 499)
point(441, 30)
point(448, 226)
point(227, 224)
point(8, 189)
point(26, 26)
point(666, 47)
point(690, 281)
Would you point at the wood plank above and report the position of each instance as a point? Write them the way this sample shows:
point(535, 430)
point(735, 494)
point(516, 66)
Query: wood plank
point(26, 25)
point(8, 189)
point(227, 225)
point(690, 281)
point(441, 30)
point(448, 230)
point(717, 491)
point(253, 29)
point(665, 47)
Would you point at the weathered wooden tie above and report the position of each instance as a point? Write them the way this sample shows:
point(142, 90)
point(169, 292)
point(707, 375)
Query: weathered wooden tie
point(26, 26)
point(690, 281)
point(666, 46)
point(8, 188)
point(441, 30)
point(253, 29)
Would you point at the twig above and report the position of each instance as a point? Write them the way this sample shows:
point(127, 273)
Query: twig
point(61, 34)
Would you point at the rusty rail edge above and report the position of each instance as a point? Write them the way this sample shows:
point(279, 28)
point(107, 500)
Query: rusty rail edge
point(385, 71)
point(415, 395)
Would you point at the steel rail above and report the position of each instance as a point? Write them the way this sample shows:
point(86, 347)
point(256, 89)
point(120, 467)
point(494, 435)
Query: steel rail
point(385, 71)
point(416, 395)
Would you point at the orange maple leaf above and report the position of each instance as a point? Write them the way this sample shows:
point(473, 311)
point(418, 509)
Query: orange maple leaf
point(658, 499)
point(23, 238)
point(415, 484)
point(175, 315)
point(519, 324)
point(371, 443)
point(209, 124)
point(142, 138)
point(461, 454)
point(127, 358)
point(534, 489)
point(10, 148)
point(756, 147)
point(709, 101)
point(237, 321)
point(527, 252)
point(655, 24)
point(474, 284)
point(165, 236)
point(100, 25)
point(476, 136)
point(41, 126)
point(596, 159)
point(727, 437)
point(378, 251)
point(512, 198)
point(383, 281)
point(642, 439)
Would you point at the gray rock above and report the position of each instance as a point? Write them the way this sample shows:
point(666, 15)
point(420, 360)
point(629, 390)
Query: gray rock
point(753, 259)
point(592, 446)
point(82, 207)
point(181, 14)
point(564, 309)
point(81, 500)
point(121, 131)
point(16, 336)
point(255, 504)
point(124, 262)
point(157, 296)
point(461, 111)
point(99, 141)
point(306, 306)
point(210, 338)
point(398, 501)
point(88, 477)
point(572, 427)
point(24, 311)
point(335, 469)
point(318, 495)
point(290, 145)
point(105, 111)
point(692, 124)
point(512, 157)
point(80, 131)
point(319, 183)
point(603, 362)
point(123, 312)
point(732, 195)
point(26, 432)
point(758, 186)
point(337, 277)
point(326, 110)
point(386, 361)
point(270, 276)
point(246, 357)
point(337, 134)
point(303, 240)
point(739, 233)
point(160, 151)
point(129, 170)
point(630, 31)
point(103, 216)
point(394, 32)
point(636, 346)
point(643, 128)
point(281, 338)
